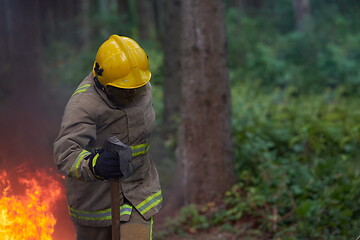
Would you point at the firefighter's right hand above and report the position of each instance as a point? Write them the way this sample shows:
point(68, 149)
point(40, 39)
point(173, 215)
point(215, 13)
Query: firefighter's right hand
point(105, 164)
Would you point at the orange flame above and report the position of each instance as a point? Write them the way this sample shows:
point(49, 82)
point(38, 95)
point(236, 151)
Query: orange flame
point(28, 215)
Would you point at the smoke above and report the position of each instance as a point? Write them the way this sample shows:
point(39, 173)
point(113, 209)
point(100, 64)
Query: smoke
point(24, 124)
point(25, 130)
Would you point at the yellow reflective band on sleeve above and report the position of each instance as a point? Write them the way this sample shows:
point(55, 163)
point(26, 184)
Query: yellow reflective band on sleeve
point(82, 89)
point(140, 149)
point(125, 209)
point(74, 171)
point(149, 202)
point(95, 160)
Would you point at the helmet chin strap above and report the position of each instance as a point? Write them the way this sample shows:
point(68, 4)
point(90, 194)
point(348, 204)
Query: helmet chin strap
point(102, 88)
point(99, 85)
point(98, 71)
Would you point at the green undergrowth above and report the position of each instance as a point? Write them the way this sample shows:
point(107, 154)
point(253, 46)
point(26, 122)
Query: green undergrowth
point(297, 167)
point(268, 49)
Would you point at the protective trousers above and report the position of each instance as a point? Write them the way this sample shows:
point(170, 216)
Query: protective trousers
point(137, 228)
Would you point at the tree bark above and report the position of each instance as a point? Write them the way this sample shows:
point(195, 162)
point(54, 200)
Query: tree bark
point(158, 16)
point(143, 18)
point(24, 44)
point(239, 4)
point(255, 4)
point(302, 14)
point(172, 63)
point(104, 6)
point(123, 7)
point(85, 23)
point(205, 128)
point(5, 42)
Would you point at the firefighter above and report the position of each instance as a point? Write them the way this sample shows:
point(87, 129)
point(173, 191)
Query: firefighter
point(115, 99)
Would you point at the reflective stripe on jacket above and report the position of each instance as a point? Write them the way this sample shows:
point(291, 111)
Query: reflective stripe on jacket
point(125, 212)
point(90, 118)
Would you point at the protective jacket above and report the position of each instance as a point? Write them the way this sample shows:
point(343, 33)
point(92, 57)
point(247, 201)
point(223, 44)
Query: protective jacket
point(91, 117)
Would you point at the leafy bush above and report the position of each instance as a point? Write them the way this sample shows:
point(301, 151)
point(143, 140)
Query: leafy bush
point(327, 54)
point(296, 160)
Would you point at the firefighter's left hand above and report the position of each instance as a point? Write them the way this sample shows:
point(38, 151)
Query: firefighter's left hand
point(105, 164)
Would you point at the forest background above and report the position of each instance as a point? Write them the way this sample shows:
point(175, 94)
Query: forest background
point(294, 77)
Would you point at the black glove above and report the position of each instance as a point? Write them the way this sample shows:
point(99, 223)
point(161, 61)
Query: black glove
point(105, 164)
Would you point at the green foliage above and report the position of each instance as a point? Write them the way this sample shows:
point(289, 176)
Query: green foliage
point(297, 165)
point(297, 162)
point(263, 49)
point(65, 65)
point(191, 217)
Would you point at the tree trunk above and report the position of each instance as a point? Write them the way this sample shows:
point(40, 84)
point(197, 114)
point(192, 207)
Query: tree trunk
point(85, 23)
point(69, 8)
point(239, 4)
point(5, 42)
point(123, 7)
point(143, 18)
point(158, 16)
point(104, 6)
point(172, 63)
point(302, 14)
point(255, 4)
point(25, 44)
point(205, 128)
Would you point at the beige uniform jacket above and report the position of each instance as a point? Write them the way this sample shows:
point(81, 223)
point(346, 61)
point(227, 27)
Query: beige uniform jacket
point(90, 118)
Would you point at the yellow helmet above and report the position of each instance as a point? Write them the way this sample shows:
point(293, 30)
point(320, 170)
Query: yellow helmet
point(122, 63)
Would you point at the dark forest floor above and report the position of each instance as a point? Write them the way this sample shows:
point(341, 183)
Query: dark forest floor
point(245, 230)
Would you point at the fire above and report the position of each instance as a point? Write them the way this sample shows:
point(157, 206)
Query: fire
point(27, 201)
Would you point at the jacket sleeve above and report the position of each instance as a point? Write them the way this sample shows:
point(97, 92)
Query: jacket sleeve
point(77, 130)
